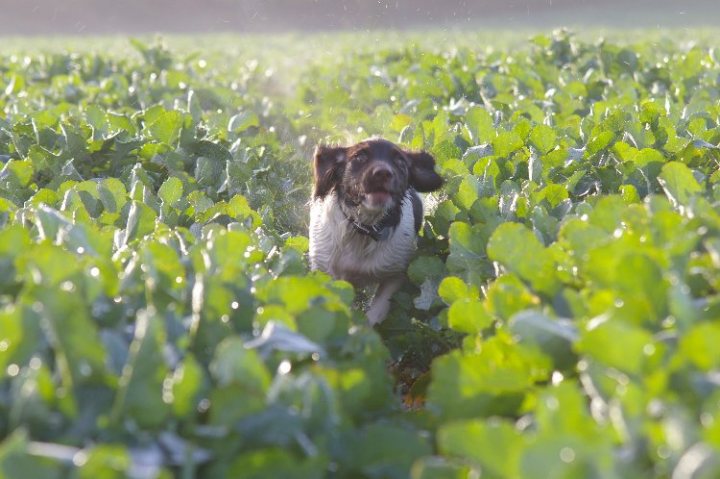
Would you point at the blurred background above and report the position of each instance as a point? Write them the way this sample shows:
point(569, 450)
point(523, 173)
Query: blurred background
point(77, 17)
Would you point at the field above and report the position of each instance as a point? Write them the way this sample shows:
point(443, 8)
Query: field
point(561, 319)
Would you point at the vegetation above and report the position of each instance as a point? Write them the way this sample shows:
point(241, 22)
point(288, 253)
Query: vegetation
point(157, 317)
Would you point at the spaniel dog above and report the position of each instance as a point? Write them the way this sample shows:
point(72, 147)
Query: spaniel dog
point(366, 213)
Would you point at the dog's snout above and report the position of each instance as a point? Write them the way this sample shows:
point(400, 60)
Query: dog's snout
point(381, 173)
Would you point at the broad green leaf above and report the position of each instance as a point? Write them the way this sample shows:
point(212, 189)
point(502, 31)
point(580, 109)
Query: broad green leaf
point(236, 364)
point(424, 268)
point(678, 183)
point(616, 344)
point(599, 143)
point(452, 289)
point(468, 316)
point(140, 389)
point(16, 460)
point(164, 125)
point(141, 221)
point(105, 462)
point(695, 346)
point(434, 467)
point(648, 155)
point(508, 295)
point(543, 138)
point(494, 445)
point(493, 381)
point(467, 252)
point(555, 337)
point(275, 462)
point(73, 338)
point(171, 190)
point(520, 251)
point(386, 449)
point(468, 192)
point(242, 121)
point(12, 337)
point(480, 125)
point(506, 143)
point(112, 194)
point(555, 194)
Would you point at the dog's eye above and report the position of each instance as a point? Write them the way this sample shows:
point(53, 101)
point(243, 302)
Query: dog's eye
point(360, 157)
point(398, 159)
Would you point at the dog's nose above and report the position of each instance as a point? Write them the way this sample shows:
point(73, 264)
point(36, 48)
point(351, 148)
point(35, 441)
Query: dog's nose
point(381, 173)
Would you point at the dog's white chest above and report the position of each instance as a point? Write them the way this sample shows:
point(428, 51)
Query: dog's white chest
point(338, 249)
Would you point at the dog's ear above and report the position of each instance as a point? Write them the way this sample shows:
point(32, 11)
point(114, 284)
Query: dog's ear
point(422, 172)
point(328, 165)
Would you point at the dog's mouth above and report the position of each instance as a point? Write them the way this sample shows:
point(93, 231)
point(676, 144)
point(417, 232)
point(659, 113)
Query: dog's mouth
point(377, 199)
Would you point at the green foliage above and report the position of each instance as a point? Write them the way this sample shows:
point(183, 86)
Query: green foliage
point(560, 318)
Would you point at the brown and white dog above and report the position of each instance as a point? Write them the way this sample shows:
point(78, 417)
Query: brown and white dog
point(366, 213)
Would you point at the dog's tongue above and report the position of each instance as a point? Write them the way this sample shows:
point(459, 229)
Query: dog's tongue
point(379, 197)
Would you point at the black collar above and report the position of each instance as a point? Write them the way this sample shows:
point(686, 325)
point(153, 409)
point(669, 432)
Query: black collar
point(379, 231)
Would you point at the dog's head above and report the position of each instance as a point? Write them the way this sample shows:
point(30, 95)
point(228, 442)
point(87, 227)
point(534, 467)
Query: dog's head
point(373, 174)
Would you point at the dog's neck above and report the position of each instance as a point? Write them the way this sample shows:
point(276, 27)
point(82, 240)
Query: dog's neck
point(377, 224)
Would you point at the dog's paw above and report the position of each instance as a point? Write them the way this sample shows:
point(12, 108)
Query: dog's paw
point(377, 312)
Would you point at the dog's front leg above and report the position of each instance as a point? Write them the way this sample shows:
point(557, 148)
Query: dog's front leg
point(381, 301)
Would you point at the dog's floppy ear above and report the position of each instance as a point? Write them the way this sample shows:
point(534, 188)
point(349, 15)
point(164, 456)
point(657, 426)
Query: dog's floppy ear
point(328, 164)
point(422, 172)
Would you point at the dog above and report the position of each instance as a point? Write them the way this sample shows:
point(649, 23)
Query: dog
point(366, 213)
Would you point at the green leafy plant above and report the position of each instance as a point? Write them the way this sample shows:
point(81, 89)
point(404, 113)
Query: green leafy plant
point(158, 319)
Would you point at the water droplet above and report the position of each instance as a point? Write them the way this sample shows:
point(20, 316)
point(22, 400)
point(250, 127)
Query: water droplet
point(707, 419)
point(94, 271)
point(80, 458)
point(285, 367)
point(13, 370)
point(85, 369)
point(567, 455)
point(552, 403)
point(234, 305)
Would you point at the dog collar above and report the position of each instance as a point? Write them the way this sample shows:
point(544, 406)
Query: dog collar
point(378, 232)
